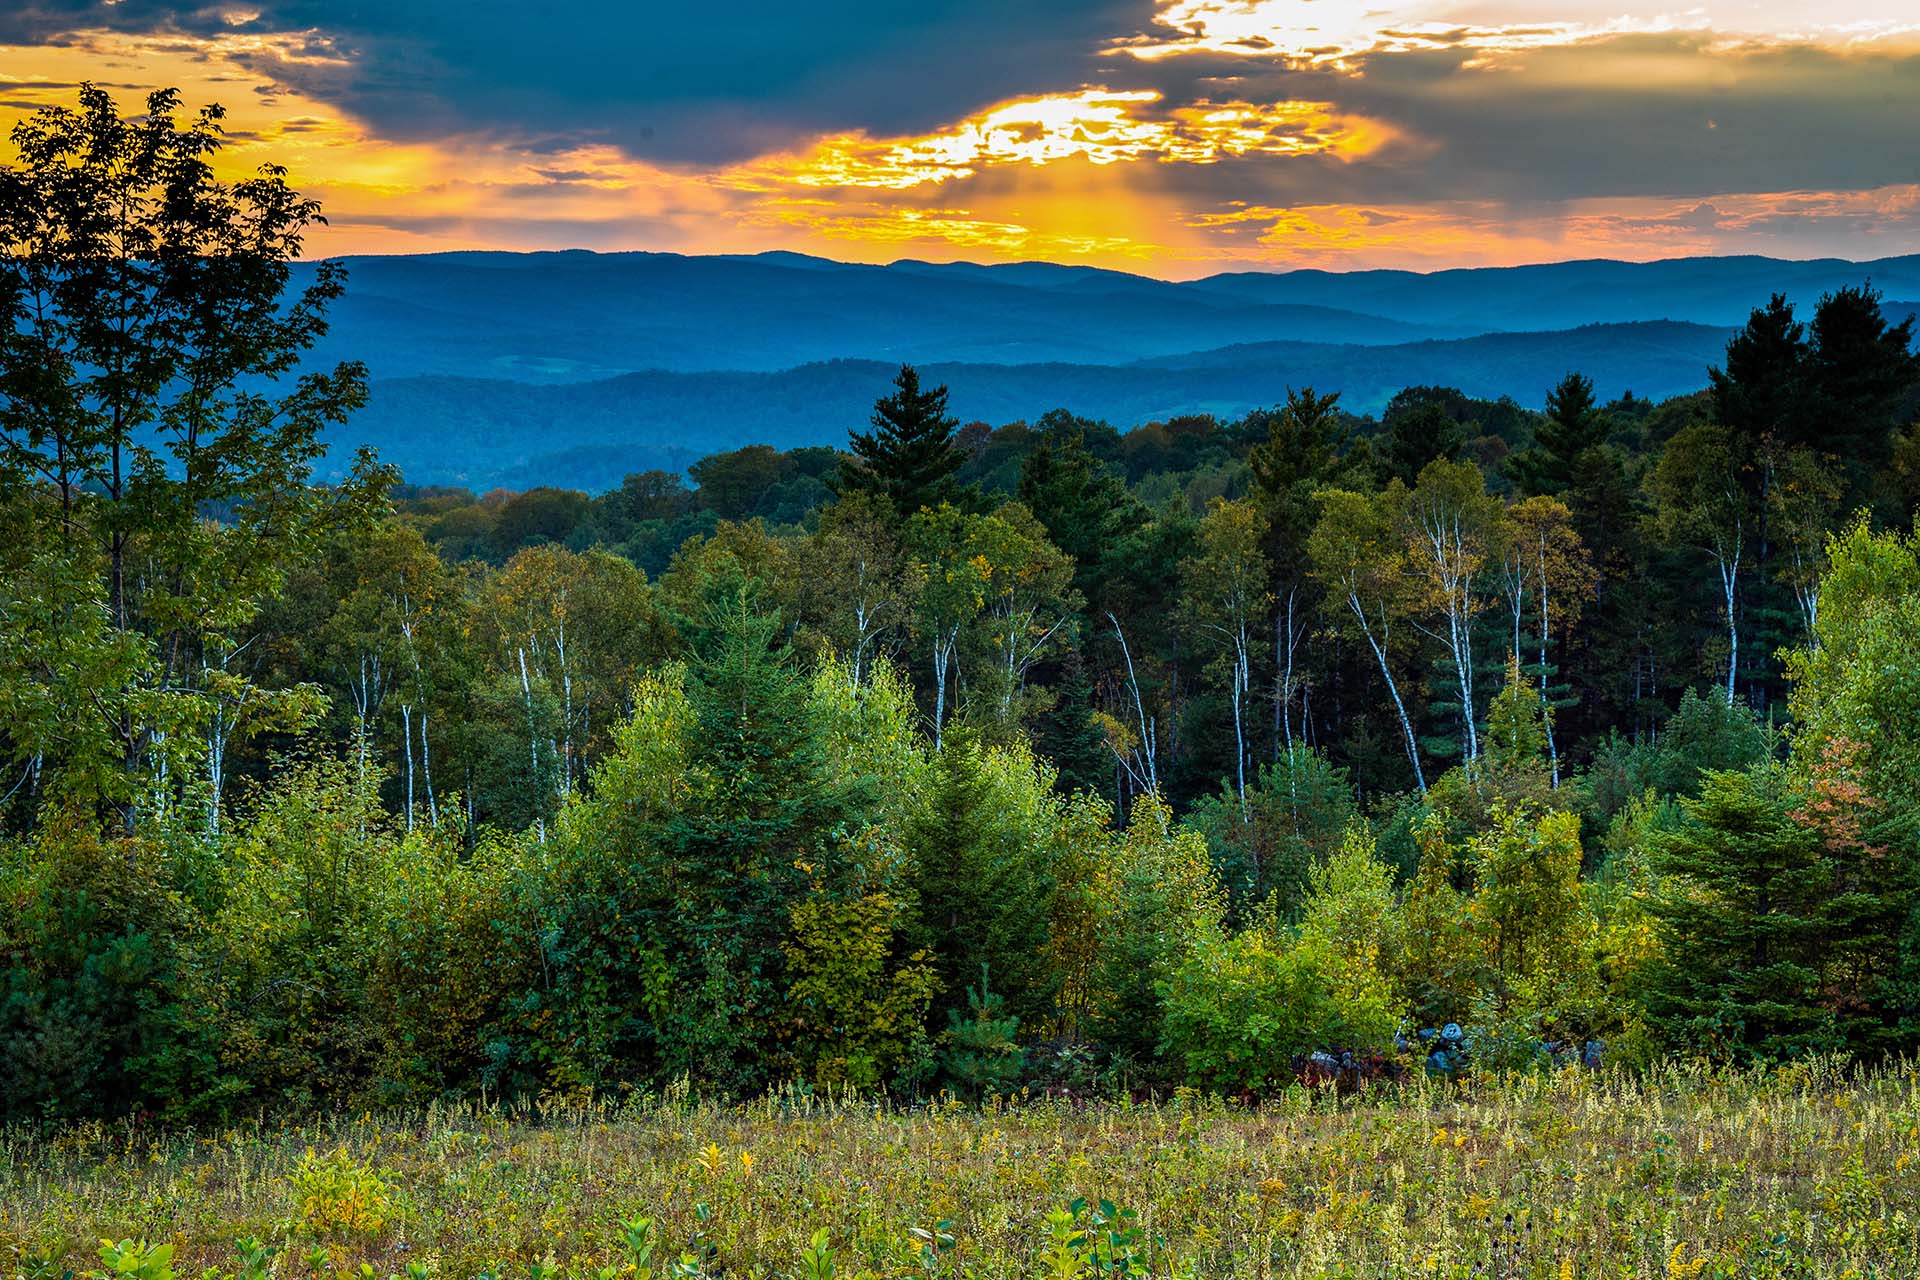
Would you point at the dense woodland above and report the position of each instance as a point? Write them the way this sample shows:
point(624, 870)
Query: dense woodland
point(968, 757)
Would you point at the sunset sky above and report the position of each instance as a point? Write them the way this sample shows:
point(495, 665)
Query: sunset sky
point(1173, 137)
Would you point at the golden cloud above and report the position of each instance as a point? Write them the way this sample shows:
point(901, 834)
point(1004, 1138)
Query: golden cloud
point(1341, 34)
point(1099, 126)
point(1082, 176)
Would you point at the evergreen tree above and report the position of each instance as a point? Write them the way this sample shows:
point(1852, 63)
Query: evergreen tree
point(909, 458)
point(1068, 734)
point(982, 1055)
point(1302, 454)
point(1762, 390)
point(1573, 423)
point(1418, 433)
point(763, 821)
point(1862, 371)
point(1766, 931)
point(1085, 508)
point(981, 881)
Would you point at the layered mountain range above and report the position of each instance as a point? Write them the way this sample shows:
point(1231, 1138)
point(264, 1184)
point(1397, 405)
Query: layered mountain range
point(574, 368)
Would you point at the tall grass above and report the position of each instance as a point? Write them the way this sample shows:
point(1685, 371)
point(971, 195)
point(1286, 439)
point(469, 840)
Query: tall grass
point(1802, 1172)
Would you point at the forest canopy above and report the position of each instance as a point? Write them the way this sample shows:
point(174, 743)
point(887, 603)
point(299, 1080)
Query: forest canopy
point(965, 757)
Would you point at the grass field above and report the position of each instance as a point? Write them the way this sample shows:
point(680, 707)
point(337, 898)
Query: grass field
point(1800, 1173)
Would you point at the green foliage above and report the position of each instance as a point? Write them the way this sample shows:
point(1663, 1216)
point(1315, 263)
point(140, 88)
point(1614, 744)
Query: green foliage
point(909, 458)
point(102, 990)
point(1531, 916)
point(1857, 684)
point(312, 797)
point(1572, 424)
point(1296, 812)
point(980, 1054)
point(978, 851)
point(858, 1003)
point(1779, 934)
point(1244, 1006)
point(150, 375)
point(1153, 890)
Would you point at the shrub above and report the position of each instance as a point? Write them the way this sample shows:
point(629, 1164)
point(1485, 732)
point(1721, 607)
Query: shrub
point(337, 1196)
point(1243, 1006)
point(102, 994)
point(981, 1056)
point(857, 999)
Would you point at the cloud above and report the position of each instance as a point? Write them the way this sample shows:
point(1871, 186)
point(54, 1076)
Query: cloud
point(683, 84)
point(1175, 136)
point(1100, 126)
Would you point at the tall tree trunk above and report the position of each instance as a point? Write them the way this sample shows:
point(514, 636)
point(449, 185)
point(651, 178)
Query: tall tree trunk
point(1546, 704)
point(1729, 587)
point(1242, 679)
point(406, 729)
point(1406, 723)
point(426, 771)
point(533, 744)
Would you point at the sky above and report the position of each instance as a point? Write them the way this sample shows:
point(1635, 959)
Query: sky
point(1171, 137)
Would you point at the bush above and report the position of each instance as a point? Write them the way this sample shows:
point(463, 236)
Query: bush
point(981, 1055)
point(1293, 819)
point(102, 994)
point(1243, 1006)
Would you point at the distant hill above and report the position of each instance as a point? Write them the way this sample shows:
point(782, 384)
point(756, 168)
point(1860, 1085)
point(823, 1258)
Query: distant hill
point(485, 432)
point(1719, 291)
point(580, 317)
point(575, 367)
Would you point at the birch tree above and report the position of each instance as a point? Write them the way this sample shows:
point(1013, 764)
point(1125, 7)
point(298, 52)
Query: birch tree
point(1225, 592)
point(1803, 494)
point(1452, 528)
point(1030, 605)
point(1546, 575)
point(1700, 501)
point(857, 583)
point(1362, 564)
point(952, 596)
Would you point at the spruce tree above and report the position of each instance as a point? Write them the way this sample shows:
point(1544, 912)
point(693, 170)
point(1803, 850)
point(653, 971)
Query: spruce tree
point(1779, 931)
point(765, 820)
point(909, 458)
point(1573, 424)
point(1085, 508)
point(983, 890)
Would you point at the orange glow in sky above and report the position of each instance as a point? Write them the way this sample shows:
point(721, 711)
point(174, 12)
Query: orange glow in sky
point(1221, 134)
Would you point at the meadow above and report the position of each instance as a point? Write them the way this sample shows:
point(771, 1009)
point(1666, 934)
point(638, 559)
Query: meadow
point(1802, 1172)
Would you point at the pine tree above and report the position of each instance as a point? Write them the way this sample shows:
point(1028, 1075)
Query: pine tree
point(1415, 434)
point(1776, 904)
point(1763, 388)
point(1573, 424)
point(982, 888)
point(909, 458)
point(1861, 370)
point(982, 1056)
point(1084, 507)
point(763, 823)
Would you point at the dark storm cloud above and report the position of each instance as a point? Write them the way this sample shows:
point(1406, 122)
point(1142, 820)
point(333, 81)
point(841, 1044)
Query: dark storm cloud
point(701, 82)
